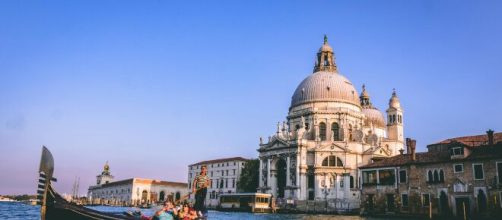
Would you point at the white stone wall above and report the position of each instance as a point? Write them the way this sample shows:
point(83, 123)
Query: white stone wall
point(227, 172)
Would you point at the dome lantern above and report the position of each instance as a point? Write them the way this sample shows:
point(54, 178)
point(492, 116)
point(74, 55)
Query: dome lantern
point(365, 98)
point(325, 58)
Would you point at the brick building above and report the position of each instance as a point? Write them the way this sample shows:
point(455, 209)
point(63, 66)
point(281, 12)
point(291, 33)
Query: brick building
point(457, 172)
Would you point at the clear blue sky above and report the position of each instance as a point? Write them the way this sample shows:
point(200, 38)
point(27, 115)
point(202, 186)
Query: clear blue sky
point(152, 86)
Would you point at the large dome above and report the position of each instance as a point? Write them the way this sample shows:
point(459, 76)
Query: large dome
point(325, 86)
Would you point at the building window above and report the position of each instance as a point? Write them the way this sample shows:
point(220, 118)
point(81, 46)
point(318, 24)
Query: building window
point(369, 177)
point(435, 176)
point(402, 176)
point(233, 183)
point(478, 171)
point(226, 173)
point(386, 177)
point(425, 200)
point(404, 200)
point(499, 172)
point(351, 182)
point(332, 161)
point(458, 168)
point(457, 151)
point(233, 173)
point(335, 130)
point(322, 131)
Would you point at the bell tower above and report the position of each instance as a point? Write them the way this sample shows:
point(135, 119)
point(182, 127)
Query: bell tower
point(395, 119)
point(106, 176)
point(325, 58)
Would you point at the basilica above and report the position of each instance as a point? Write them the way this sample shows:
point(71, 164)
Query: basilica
point(330, 131)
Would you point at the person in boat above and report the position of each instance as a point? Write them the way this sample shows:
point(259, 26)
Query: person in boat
point(186, 213)
point(199, 187)
point(168, 212)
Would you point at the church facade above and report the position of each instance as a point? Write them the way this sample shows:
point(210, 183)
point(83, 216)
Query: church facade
point(330, 131)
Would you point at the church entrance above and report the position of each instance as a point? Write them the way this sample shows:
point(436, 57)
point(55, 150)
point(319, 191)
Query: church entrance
point(310, 185)
point(281, 178)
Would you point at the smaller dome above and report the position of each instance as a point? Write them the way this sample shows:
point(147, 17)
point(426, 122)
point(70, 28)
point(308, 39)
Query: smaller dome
point(374, 116)
point(325, 48)
point(394, 101)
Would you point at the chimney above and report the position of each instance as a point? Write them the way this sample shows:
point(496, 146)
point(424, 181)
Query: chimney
point(408, 150)
point(490, 137)
point(411, 144)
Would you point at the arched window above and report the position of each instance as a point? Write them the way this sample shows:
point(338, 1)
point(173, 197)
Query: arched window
point(326, 61)
point(332, 161)
point(351, 182)
point(335, 130)
point(350, 132)
point(429, 175)
point(297, 127)
point(322, 131)
point(436, 176)
point(441, 176)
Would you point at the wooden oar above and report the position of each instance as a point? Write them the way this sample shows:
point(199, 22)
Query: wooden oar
point(186, 196)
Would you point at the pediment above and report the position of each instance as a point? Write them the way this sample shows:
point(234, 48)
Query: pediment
point(277, 143)
point(333, 147)
point(378, 150)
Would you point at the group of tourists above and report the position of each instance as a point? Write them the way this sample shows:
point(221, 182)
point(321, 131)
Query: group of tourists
point(186, 211)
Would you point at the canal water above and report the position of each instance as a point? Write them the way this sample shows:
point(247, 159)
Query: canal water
point(16, 210)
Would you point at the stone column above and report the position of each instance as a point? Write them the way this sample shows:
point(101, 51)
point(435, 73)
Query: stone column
point(288, 177)
point(260, 177)
point(268, 172)
point(346, 185)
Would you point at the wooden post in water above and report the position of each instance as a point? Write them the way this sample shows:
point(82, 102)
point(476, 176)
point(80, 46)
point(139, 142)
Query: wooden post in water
point(465, 216)
point(430, 209)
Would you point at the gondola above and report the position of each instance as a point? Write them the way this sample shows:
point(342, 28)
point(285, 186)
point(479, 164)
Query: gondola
point(54, 206)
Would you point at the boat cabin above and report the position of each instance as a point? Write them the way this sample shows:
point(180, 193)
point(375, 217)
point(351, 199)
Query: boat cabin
point(245, 202)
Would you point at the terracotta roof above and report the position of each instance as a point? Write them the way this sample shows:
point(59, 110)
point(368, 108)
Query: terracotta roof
point(475, 140)
point(142, 181)
point(159, 182)
point(220, 160)
point(477, 153)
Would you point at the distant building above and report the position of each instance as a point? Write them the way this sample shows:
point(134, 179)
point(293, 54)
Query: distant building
point(134, 191)
point(223, 174)
point(453, 173)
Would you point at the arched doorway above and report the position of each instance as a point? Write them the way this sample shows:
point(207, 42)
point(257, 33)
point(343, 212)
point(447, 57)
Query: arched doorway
point(178, 196)
point(162, 196)
point(481, 201)
point(144, 196)
point(443, 201)
point(281, 177)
